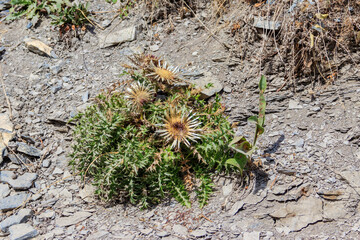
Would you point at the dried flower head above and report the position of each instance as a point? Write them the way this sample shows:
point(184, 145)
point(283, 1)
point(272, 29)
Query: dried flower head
point(144, 62)
point(164, 73)
point(180, 127)
point(139, 94)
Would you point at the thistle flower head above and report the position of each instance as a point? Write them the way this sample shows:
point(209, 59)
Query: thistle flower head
point(164, 73)
point(180, 127)
point(138, 94)
point(144, 62)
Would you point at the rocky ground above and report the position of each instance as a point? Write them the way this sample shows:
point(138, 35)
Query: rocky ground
point(307, 188)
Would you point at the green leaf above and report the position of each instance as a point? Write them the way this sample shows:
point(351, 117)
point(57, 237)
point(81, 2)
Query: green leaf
point(262, 102)
point(239, 161)
point(253, 119)
point(262, 83)
point(237, 139)
point(240, 143)
point(234, 162)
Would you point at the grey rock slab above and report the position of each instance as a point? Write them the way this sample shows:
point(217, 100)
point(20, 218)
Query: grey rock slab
point(34, 78)
point(252, 235)
point(22, 216)
point(198, 233)
point(58, 231)
point(13, 201)
point(57, 171)
point(76, 218)
point(334, 210)
point(55, 69)
point(294, 105)
point(4, 190)
point(14, 159)
point(117, 36)
point(208, 84)
point(227, 189)
point(48, 214)
point(105, 23)
point(22, 231)
point(46, 163)
point(180, 230)
point(85, 96)
point(23, 182)
point(282, 189)
point(291, 195)
point(227, 89)
point(6, 133)
point(28, 150)
point(356, 227)
point(262, 23)
point(299, 143)
point(98, 235)
point(353, 178)
point(56, 88)
point(87, 193)
point(252, 199)
point(137, 50)
point(295, 216)
point(146, 231)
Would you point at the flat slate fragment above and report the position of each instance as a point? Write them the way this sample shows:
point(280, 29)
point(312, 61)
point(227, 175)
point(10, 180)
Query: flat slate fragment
point(76, 218)
point(117, 36)
point(22, 231)
point(29, 150)
point(13, 201)
point(298, 215)
point(22, 182)
point(21, 217)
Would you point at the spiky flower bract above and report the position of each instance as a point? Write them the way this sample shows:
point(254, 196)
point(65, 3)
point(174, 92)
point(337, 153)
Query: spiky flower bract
point(180, 127)
point(164, 73)
point(144, 62)
point(139, 94)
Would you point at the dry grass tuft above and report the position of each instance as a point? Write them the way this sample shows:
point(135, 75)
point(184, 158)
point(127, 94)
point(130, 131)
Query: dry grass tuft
point(315, 39)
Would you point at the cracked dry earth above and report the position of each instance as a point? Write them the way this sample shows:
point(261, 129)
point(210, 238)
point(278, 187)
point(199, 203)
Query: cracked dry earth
point(307, 188)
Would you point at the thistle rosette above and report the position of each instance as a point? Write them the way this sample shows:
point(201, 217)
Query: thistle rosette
point(165, 73)
point(180, 127)
point(138, 94)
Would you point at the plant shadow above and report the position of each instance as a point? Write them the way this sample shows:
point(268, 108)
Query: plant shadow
point(276, 145)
